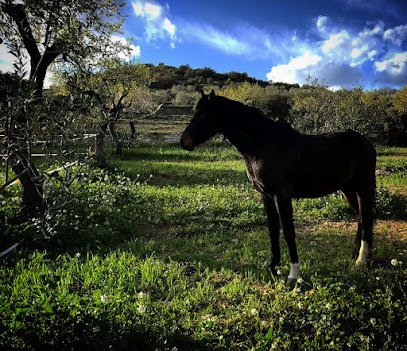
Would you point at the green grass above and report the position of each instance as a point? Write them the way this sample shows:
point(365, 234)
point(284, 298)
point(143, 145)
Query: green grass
point(169, 250)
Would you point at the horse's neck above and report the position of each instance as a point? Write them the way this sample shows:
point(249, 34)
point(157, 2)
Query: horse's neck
point(246, 133)
point(243, 140)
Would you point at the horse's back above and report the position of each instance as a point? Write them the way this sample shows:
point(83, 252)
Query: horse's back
point(355, 146)
point(316, 165)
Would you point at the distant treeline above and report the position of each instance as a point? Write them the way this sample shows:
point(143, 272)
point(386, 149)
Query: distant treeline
point(140, 88)
point(165, 77)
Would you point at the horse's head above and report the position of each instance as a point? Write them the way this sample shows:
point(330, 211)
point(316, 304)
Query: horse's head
point(204, 125)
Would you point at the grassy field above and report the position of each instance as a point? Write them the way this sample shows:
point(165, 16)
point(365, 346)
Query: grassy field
point(168, 250)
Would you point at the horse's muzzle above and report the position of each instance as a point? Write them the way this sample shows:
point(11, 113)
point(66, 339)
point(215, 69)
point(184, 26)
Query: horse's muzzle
point(186, 142)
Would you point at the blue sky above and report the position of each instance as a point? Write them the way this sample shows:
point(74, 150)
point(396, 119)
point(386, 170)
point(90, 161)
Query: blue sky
point(343, 43)
point(340, 42)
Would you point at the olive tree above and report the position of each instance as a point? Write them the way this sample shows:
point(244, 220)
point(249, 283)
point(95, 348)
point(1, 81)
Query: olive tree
point(121, 88)
point(42, 32)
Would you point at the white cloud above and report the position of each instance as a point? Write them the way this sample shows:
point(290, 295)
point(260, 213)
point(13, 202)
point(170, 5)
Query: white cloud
point(295, 71)
point(244, 40)
point(147, 9)
point(357, 52)
point(396, 35)
point(220, 40)
point(157, 24)
point(372, 54)
point(376, 30)
point(321, 23)
point(138, 8)
point(152, 10)
point(394, 66)
point(343, 55)
point(169, 27)
point(338, 41)
point(134, 51)
point(304, 61)
point(6, 59)
point(335, 87)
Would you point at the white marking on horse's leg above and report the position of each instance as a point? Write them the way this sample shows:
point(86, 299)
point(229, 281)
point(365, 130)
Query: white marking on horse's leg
point(363, 253)
point(294, 271)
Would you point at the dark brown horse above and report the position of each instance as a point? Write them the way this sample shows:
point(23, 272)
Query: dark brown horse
point(283, 164)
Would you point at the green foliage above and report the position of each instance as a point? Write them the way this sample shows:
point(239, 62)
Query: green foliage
point(316, 109)
point(390, 205)
point(117, 85)
point(185, 95)
point(400, 101)
point(73, 29)
point(170, 250)
point(121, 300)
point(271, 100)
point(165, 77)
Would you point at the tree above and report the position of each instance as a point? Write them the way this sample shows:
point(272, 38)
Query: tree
point(119, 87)
point(74, 31)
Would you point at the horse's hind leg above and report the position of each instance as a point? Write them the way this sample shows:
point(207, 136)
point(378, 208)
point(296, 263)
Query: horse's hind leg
point(274, 231)
point(352, 199)
point(366, 200)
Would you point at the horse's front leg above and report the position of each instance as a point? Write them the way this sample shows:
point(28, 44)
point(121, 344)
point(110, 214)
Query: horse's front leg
point(285, 210)
point(274, 231)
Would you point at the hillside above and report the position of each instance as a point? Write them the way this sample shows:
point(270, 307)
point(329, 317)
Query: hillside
point(165, 77)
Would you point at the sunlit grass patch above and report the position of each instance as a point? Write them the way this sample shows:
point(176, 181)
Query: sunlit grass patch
point(179, 260)
point(122, 300)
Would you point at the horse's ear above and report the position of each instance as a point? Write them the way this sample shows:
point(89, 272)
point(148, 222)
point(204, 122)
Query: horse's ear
point(212, 94)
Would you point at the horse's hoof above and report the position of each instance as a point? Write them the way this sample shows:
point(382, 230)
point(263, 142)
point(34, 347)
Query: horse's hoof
point(360, 264)
point(290, 283)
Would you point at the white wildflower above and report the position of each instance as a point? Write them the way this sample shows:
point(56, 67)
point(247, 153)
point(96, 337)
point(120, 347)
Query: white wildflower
point(394, 262)
point(254, 312)
point(103, 298)
point(141, 309)
point(300, 280)
point(78, 254)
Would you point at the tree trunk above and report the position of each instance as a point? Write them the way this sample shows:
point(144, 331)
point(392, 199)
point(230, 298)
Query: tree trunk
point(100, 155)
point(39, 82)
point(117, 141)
point(133, 134)
point(32, 182)
point(17, 131)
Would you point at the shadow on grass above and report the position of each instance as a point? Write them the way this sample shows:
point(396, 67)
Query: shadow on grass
point(104, 332)
point(179, 175)
point(215, 151)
